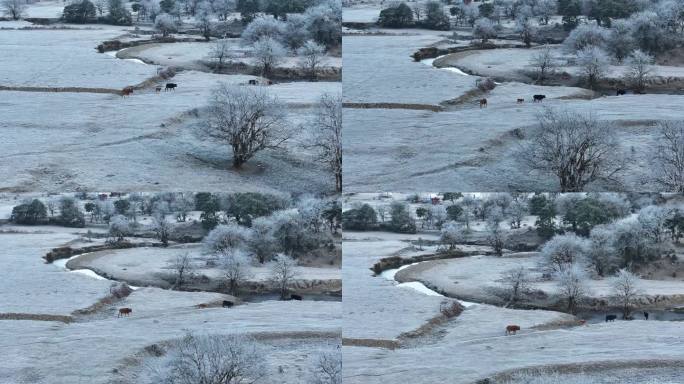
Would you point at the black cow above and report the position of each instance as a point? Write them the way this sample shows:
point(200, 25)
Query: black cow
point(227, 304)
point(610, 318)
point(621, 92)
point(538, 98)
point(645, 315)
point(171, 86)
point(295, 297)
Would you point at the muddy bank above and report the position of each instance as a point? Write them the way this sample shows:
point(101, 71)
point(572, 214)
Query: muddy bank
point(67, 252)
point(415, 107)
point(433, 52)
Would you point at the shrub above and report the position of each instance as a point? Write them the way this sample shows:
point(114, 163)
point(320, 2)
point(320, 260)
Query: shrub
point(79, 13)
point(33, 213)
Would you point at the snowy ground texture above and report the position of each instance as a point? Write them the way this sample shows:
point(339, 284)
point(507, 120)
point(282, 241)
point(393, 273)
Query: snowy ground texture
point(100, 348)
point(464, 147)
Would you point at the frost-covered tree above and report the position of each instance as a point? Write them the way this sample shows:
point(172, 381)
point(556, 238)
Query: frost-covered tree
point(183, 270)
point(162, 227)
point(311, 55)
point(639, 68)
point(525, 28)
point(401, 220)
point(268, 53)
point(327, 367)
point(70, 214)
point(248, 120)
point(593, 62)
point(496, 235)
point(586, 36)
point(572, 286)
point(295, 32)
point(435, 17)
point(262, 243)
point(326, 135)
point(625, 286)
point(223, 8)
point(220, 52)
point(652, 220)
point(484, 29)
point(225, 237)
point(210, 359)
point(602, 253)
point(544, 64)
point(564, 251)
point(283, 272)
point(452, 234)
point(119, 227)
point(516, 282)
point(649, 33)
point(620, 42)
point(324, 23)
point(577, 149)
point(518, 210)
point(396, 16)
point(166, 24)
point(13, 8)
point(203, 20)
point(118, 14)
point(469, 205)
point(668, 159)
point(545, 9)
point(235, 263)
point(263, 27)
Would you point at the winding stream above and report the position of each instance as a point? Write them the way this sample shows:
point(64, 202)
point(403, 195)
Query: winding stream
point(455, 70)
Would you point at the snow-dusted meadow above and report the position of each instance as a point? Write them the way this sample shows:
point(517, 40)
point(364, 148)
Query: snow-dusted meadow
point(389, 331)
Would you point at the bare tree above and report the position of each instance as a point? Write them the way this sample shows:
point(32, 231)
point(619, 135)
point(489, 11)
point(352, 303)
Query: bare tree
point(183, 269)
point(496, 236)
point(639, 69)
point(162, 227)
point(236, 268)
point(516, 281)
point(220, 52)
point(282, 273)
point(211, 359)
point(13, 8)
point(544, 63)
point(327, 368)
point(311, 56)
point(668, 159)
point(326, 136)
point(119, 227)
point(248, 120)
point(572, 286)
point(625, 286)
point(577, 149)
point(165, 24)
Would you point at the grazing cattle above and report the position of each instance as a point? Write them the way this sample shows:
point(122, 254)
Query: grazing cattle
point(202, 306)
point(171, 86)
point(483, 103)
point(512, 329)
point(621, 92)
point(520, 101)
point(253, 82)
point(126, 91)
point(227, 304)
point(539, 98)
point(645, 315)
point(124, 312)
point(295, 297)
point(610, 318)
point(582, 322)
point(158, 88)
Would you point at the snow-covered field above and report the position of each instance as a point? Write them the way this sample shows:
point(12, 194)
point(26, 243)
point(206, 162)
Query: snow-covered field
point(66, 58)
point(473, 345)
point(100, 348)
point(464, 147)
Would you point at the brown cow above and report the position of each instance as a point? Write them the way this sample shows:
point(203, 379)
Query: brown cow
point(126, 91)
point(483, 103)
point(158, 88)
point(202, 306)
point(512, 329)
point(124, 312)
